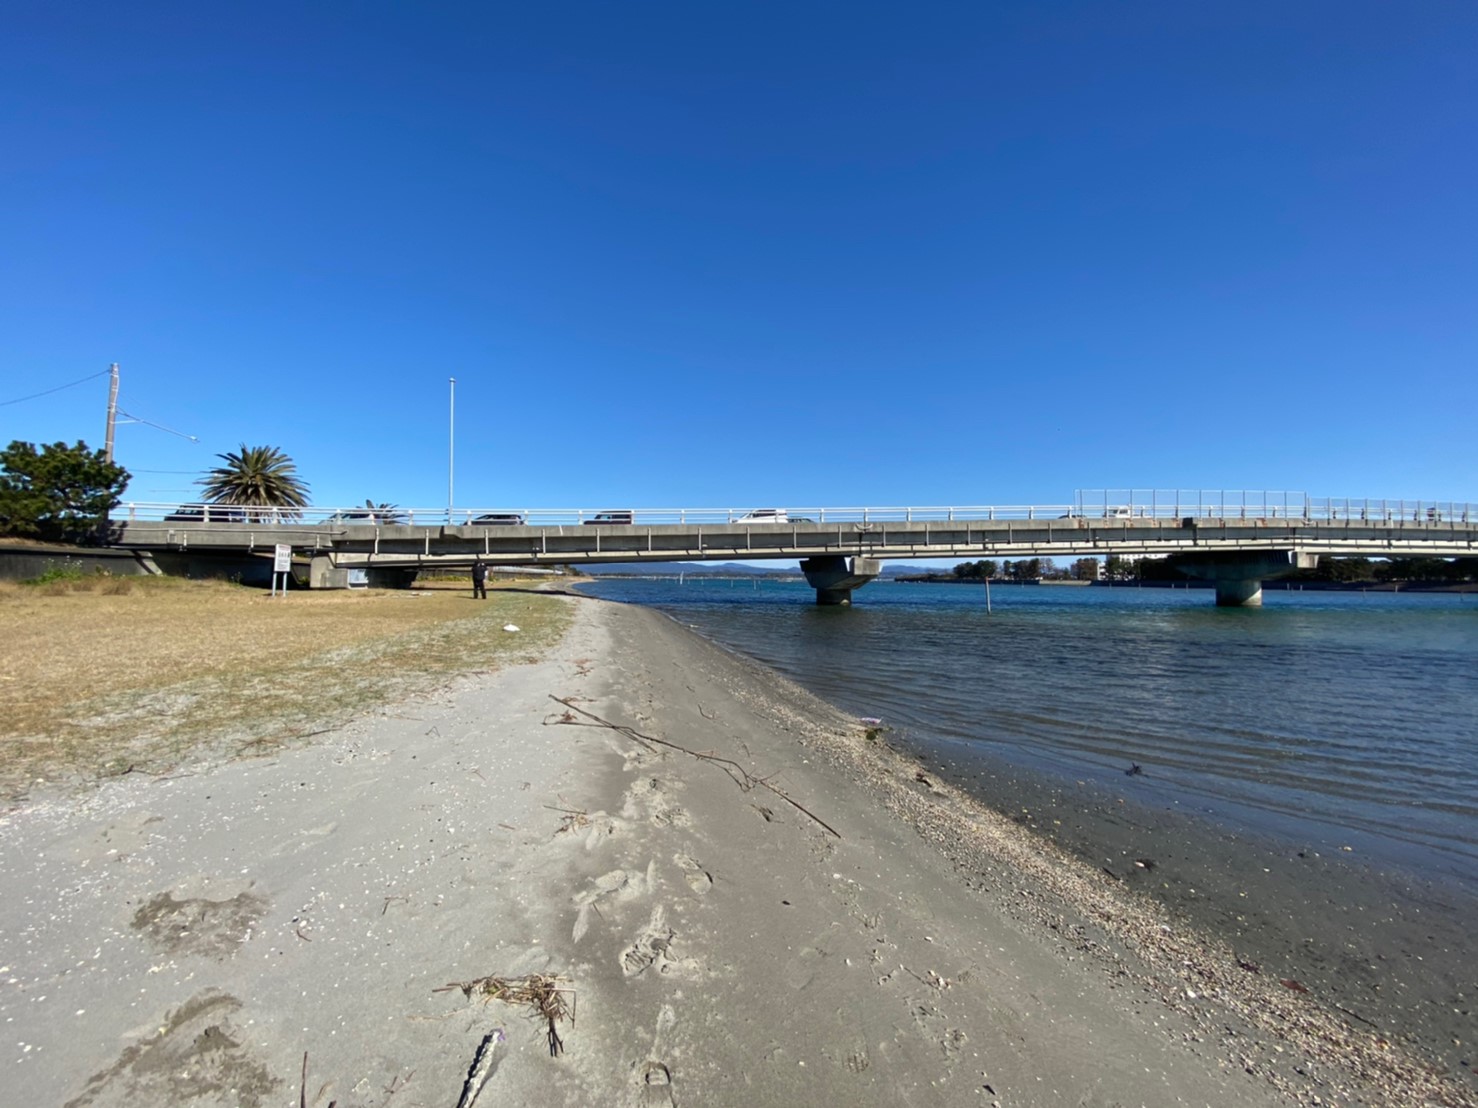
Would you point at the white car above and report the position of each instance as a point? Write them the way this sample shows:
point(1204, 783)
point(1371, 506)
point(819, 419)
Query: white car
point(1113, 511)
point(764, 515)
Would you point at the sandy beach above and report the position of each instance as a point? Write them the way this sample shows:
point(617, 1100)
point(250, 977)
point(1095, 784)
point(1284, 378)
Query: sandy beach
point(745, 898)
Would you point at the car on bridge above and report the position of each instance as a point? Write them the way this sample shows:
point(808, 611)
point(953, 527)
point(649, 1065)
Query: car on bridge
point(206, 513)
point(772, 515)
point(1113, 511)
point(363, 518)
point(499, 519)
point(613, 517)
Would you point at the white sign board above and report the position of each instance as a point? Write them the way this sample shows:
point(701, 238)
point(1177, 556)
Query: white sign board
point(282, 560)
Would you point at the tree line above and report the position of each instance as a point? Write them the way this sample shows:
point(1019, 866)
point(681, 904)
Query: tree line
point(1028, 569)
point(1330, 570)
point(60, 493)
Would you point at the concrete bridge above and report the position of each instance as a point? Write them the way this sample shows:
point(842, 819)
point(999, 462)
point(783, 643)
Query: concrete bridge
point(1236, 540)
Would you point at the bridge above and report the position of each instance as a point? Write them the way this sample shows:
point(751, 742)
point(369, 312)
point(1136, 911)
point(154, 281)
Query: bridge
point(1236, 540)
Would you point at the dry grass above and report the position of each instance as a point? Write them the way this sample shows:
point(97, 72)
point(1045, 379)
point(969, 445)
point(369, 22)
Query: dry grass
point(97, 678)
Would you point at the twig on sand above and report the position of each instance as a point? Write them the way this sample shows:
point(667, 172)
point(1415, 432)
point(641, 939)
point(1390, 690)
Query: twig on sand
point(397, 1083)
point(303, 1087)
point(741, 776)
point(573, 818)
point(568, 718)
point(549, 995)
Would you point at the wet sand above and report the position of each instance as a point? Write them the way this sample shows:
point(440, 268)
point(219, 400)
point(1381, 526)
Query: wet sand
point(1393, 952)
point(871, 936)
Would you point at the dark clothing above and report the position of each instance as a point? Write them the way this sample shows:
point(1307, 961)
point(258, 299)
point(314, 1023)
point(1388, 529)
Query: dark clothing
point(479, 581)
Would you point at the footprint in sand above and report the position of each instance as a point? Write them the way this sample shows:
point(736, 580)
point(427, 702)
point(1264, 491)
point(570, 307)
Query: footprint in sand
point(698, 878)
point(648, 799)
point(200, 925)
point(656, 1086)
point(194, 1053)
point(653, 950)
point(617, 885)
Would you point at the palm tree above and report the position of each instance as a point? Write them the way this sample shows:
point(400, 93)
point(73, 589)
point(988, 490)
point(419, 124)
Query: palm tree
point(385, 513)
point(259, 476)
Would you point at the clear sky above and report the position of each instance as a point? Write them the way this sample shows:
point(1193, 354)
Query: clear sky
point(708, 255)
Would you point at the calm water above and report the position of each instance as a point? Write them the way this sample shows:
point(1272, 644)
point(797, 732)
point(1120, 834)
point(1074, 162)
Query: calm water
point(1325, 719)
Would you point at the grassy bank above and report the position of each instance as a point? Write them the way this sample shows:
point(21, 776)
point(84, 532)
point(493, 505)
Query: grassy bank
point(103, 675)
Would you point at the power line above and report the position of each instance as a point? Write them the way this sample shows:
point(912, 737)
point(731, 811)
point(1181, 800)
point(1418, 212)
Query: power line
point(48, 392)
point(156, 426)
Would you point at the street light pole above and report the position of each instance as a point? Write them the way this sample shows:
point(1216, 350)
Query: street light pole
point(112, 414)
point(451, 439)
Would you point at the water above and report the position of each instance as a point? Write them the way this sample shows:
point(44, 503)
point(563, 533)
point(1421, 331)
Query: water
point(1324, 716)
point(1309, 768)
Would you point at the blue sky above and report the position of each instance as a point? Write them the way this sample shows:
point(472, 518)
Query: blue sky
point(689, 254)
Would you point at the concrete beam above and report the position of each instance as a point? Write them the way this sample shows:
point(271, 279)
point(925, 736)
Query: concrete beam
point(834, 576)
point(1238, 574)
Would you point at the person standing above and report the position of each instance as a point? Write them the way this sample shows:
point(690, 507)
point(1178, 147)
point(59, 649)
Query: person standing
point(479, 580)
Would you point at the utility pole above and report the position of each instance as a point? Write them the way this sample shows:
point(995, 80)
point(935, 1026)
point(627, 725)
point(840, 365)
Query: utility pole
point(451, 440)
point(112, 414)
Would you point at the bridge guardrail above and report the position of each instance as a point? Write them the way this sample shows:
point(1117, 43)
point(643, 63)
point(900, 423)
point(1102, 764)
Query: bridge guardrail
point(1099, 505)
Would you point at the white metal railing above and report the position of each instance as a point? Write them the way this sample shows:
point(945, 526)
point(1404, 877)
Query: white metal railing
point(1114, 505)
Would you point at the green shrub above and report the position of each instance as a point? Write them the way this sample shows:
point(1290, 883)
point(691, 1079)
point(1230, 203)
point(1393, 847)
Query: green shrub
point(54, 573)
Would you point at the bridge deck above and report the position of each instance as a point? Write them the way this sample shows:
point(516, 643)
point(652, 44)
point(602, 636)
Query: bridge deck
point(407, 544)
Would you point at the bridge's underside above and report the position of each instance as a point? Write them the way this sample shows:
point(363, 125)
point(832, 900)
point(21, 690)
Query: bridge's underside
point(410, 547)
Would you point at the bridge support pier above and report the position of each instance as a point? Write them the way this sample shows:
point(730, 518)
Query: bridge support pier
point(323, 574)
point(1238, 575)
point(834, 576)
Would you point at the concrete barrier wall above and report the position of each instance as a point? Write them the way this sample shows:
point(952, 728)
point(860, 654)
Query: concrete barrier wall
point(22, 563)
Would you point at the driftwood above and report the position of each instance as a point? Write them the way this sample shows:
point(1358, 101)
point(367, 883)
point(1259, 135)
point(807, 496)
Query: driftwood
point(740, 776)
point(482, 1065)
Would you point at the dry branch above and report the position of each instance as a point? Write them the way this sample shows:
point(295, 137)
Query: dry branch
point(482, 1065)
point(740, 776)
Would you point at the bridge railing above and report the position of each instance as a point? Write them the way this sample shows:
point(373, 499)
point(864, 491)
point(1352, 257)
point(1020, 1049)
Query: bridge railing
point(1124, 506)
point(1261, 504)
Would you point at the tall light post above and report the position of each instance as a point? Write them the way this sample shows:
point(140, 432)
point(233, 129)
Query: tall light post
point(112, 414)
point(451, 441)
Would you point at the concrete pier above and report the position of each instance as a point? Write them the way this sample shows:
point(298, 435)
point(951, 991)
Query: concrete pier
point(835, 576)
point(1238, 575)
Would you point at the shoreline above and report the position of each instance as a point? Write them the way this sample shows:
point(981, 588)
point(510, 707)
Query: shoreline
point(892, 943)
point(1070, 873)
point(1339, 912)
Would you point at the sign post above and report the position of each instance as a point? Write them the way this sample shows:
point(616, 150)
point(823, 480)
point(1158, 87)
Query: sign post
point(282, 563)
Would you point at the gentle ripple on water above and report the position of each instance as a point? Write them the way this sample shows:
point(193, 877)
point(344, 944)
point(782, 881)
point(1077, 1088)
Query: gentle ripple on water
point(1320, 715)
